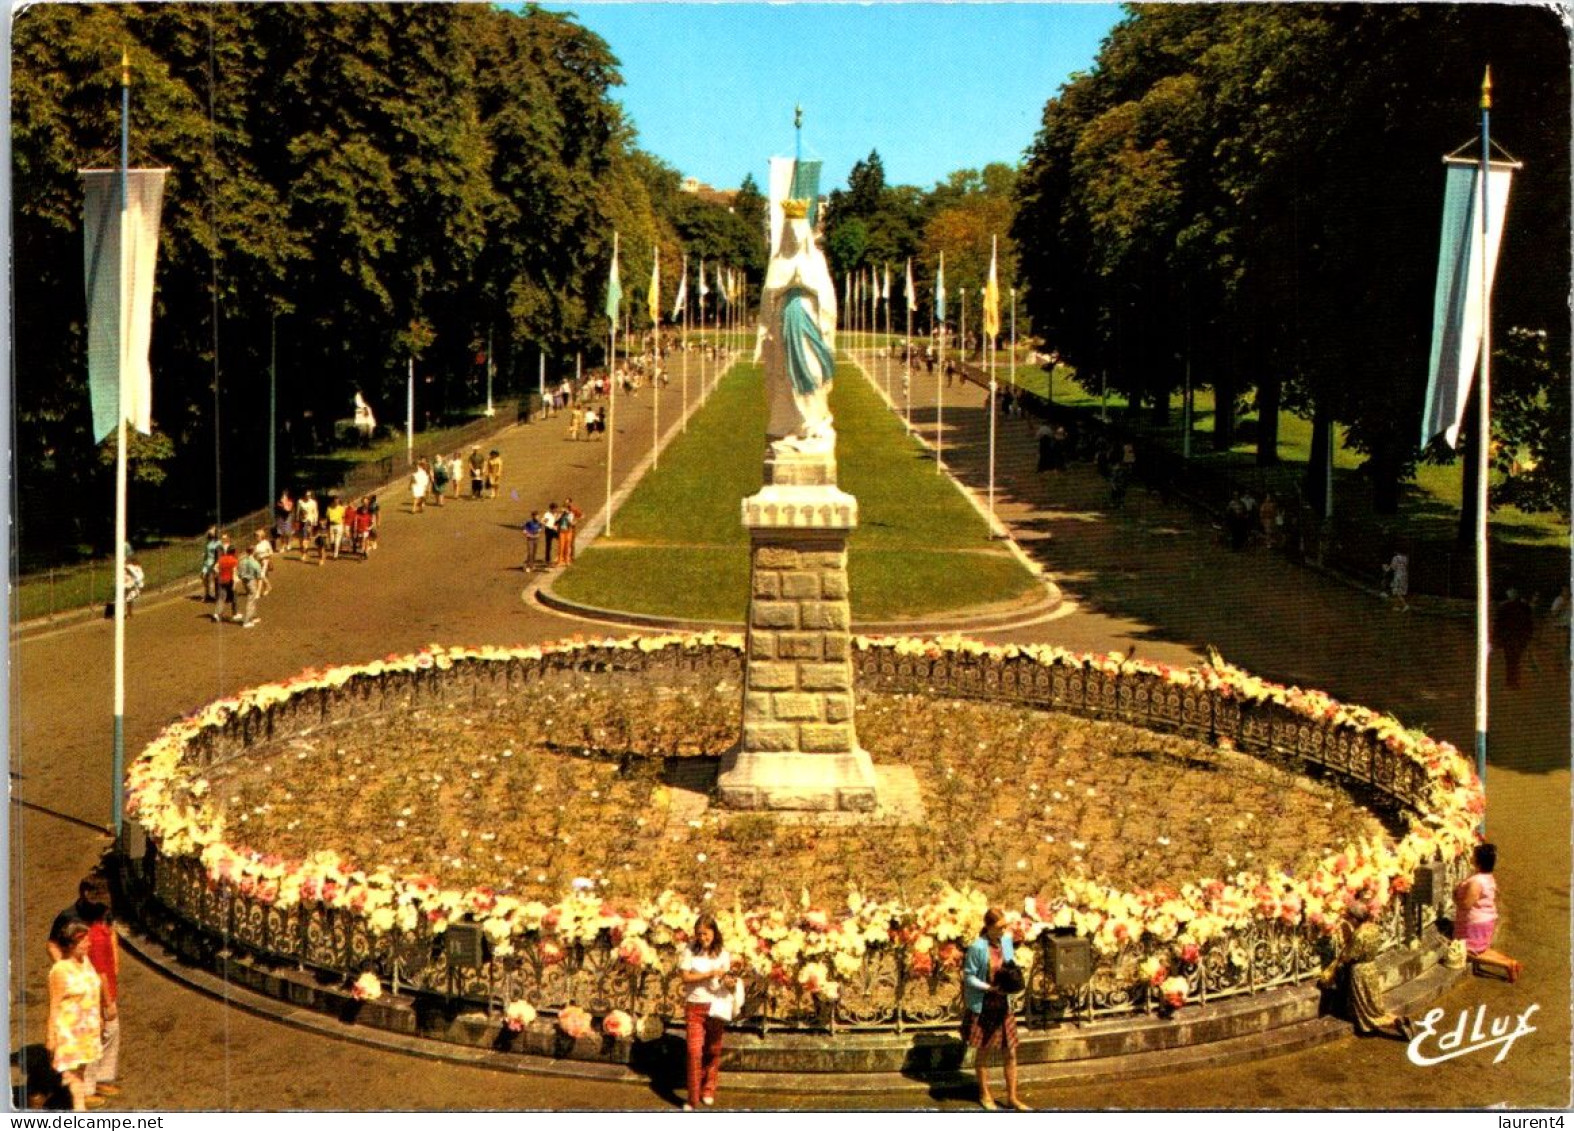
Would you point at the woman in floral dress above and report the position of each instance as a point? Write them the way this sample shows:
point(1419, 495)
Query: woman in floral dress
point(988, 1023)
point(75, 1013)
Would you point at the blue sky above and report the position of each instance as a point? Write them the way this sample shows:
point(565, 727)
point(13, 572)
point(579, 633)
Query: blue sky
point(933, 86)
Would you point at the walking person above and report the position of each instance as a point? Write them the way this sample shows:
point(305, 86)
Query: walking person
point(337, 528)
point(74, 1038)
point(306, 520)
point(567, 522)
point(361, 530)
point(262, 550)
point(456, 466)
point(373, 520)
point(284, 520)
point(549, 523)
point(477, 471)
point(1511, 631)
point(706, 969)
point(210, 566)
point(532, 532)
point(494, 473)
point(439, 480)
point(135, 579)
point(93, 908)
point(1398, 572)
point(1046, 447)
point(224, 571)
point(250, 575)
point(420, 483)
point(988, 1022)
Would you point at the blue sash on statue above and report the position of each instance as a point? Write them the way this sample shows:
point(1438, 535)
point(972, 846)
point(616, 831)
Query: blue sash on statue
point(800, 334)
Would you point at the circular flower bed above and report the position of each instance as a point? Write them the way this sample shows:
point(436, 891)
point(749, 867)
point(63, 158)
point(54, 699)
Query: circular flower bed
point(809, 949)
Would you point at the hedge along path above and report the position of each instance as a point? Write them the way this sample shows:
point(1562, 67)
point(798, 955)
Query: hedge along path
point(681, 549)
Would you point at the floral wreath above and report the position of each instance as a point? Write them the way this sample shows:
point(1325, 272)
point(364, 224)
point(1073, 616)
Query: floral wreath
point(814, 945)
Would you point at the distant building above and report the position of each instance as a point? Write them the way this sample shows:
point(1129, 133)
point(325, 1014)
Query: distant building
point(696, 187)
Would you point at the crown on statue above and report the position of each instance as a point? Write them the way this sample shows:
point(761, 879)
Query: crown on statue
point(795, 209)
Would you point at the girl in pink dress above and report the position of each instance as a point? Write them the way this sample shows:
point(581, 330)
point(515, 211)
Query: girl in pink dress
point(1475, 914)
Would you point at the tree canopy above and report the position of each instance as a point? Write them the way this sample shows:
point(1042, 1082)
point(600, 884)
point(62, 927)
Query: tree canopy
point(361, 183)
point(1254, 189)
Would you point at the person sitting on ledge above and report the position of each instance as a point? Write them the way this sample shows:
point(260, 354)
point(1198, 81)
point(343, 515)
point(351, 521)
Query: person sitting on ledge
point(1364, 986)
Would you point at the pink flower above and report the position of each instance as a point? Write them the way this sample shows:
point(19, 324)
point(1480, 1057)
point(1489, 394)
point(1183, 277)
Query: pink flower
point(617, 1024)
point(574, 1022)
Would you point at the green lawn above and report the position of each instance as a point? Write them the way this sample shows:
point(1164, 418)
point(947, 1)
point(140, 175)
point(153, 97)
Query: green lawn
point(681, 549)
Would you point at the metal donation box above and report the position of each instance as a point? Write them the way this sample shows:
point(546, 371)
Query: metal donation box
point(1070, 960)
point(462, 945)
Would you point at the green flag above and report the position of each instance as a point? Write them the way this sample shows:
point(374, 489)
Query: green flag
point(614, 285)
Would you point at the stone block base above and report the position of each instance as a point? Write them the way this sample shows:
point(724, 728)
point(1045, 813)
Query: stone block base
point(762, 779)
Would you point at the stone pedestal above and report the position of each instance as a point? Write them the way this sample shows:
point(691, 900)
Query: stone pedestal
point(799, 748)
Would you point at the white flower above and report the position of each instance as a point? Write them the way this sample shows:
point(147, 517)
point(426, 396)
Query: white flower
point(701, 857)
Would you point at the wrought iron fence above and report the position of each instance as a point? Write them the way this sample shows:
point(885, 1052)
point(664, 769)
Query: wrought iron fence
point(176, 897)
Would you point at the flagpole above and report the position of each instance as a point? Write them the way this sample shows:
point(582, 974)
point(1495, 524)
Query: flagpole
point(940, 372)
point(655, 359)
point(990, 343)
point(885, 295)
point(907, 387)
point(409, 414)
point(490, 410)
point(683, 286)
point(1014, 338)
point(273, 407)
point(992, 384)
point(1483, 452)
point(118, 760)
point(612, 383)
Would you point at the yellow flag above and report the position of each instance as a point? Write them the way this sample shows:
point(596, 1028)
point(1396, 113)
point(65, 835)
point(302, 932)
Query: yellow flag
point(655, 289)
point(992, 298)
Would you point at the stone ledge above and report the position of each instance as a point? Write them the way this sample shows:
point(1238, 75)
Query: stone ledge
point(800, 508)
point(919, 1061)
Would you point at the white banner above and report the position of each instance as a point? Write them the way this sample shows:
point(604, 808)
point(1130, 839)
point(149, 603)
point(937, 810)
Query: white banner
point(1458, 303)
point(119, 278)
point(779, 185)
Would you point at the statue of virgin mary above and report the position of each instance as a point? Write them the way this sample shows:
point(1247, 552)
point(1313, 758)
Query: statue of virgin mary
point(796, 339)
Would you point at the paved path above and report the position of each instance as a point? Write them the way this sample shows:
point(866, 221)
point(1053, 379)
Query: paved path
point(1148, 575)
